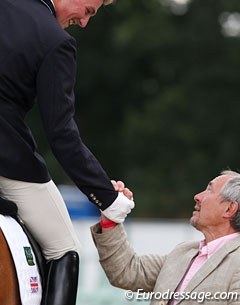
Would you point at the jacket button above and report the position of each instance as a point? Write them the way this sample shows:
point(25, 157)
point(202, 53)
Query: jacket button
point(91, 195)
point(100, 204)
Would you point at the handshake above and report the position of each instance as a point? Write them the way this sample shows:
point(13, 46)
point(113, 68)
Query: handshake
point(123, 204)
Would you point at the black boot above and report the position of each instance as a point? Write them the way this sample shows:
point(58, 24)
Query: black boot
point(62, 280)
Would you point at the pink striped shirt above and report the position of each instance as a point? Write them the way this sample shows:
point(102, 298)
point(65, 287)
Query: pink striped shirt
point(205, 251)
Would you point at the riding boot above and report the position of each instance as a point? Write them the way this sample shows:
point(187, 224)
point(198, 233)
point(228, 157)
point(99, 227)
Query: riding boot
point(62, 280)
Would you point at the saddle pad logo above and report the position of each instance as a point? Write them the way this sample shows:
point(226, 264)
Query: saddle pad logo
point(29, 256)
point(34, 284)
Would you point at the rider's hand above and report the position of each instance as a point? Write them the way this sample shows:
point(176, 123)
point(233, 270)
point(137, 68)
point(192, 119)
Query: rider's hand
point(122, 205)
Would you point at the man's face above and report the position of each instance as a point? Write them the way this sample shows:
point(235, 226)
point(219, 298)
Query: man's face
point(76, 12)
point(209, 207)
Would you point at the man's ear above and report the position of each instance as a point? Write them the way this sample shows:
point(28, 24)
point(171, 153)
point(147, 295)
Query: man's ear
point(231, 209)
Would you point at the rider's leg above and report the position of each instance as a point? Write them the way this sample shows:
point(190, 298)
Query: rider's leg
point(43, 211)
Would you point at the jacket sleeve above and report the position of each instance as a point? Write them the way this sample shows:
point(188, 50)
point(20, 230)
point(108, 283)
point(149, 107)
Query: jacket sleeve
point(55, 94)
point(123, 267)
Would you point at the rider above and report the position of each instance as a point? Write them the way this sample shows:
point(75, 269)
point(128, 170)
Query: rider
point(38, 60)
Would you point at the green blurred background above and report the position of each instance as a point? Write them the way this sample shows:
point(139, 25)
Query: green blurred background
point(157, 98)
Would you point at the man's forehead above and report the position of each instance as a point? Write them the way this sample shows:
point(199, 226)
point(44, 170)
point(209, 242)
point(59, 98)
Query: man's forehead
point(219, 181)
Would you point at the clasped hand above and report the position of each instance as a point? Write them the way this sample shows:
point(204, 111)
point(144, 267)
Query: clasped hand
point(122, 205)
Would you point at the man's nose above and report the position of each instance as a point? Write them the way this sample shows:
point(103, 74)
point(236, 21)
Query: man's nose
point(84, 21)
point(197, 197)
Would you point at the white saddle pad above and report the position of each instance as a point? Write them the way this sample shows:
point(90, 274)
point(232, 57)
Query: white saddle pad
point(24, 260)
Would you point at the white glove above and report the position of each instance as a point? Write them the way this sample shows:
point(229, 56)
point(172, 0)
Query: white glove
point(119, 209)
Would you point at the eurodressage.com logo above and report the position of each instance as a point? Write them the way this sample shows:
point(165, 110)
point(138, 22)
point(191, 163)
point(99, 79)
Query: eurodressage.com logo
point(200, 297)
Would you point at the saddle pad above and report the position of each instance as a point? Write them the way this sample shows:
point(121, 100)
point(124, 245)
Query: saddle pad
point(24, 260)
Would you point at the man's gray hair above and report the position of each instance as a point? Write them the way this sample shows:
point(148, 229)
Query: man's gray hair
point(231, 192)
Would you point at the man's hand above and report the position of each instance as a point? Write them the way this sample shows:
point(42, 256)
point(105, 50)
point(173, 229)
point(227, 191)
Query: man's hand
point(119, 186)
point(122, 205)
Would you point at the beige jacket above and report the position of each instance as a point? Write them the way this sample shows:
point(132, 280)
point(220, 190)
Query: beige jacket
point(162, 274)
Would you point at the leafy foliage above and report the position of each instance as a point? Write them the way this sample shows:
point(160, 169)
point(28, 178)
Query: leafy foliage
point(157, 99)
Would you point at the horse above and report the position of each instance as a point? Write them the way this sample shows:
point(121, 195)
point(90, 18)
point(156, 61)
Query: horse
point(9, 284)
point(53, 283)
point(9, 290)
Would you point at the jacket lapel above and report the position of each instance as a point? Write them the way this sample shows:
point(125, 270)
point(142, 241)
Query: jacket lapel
point(175, 270)
point(180, 270)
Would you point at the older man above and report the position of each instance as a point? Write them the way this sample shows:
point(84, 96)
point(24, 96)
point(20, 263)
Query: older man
point(194, 272)
point(38, 62)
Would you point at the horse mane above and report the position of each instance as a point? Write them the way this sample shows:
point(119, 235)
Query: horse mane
point(8, 208)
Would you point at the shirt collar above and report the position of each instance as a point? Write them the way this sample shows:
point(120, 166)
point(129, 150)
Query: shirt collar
point(213, 246)
point(50, 5)
point(53, 4)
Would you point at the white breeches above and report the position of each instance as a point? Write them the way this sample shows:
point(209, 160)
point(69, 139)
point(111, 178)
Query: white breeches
point(42, 208)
